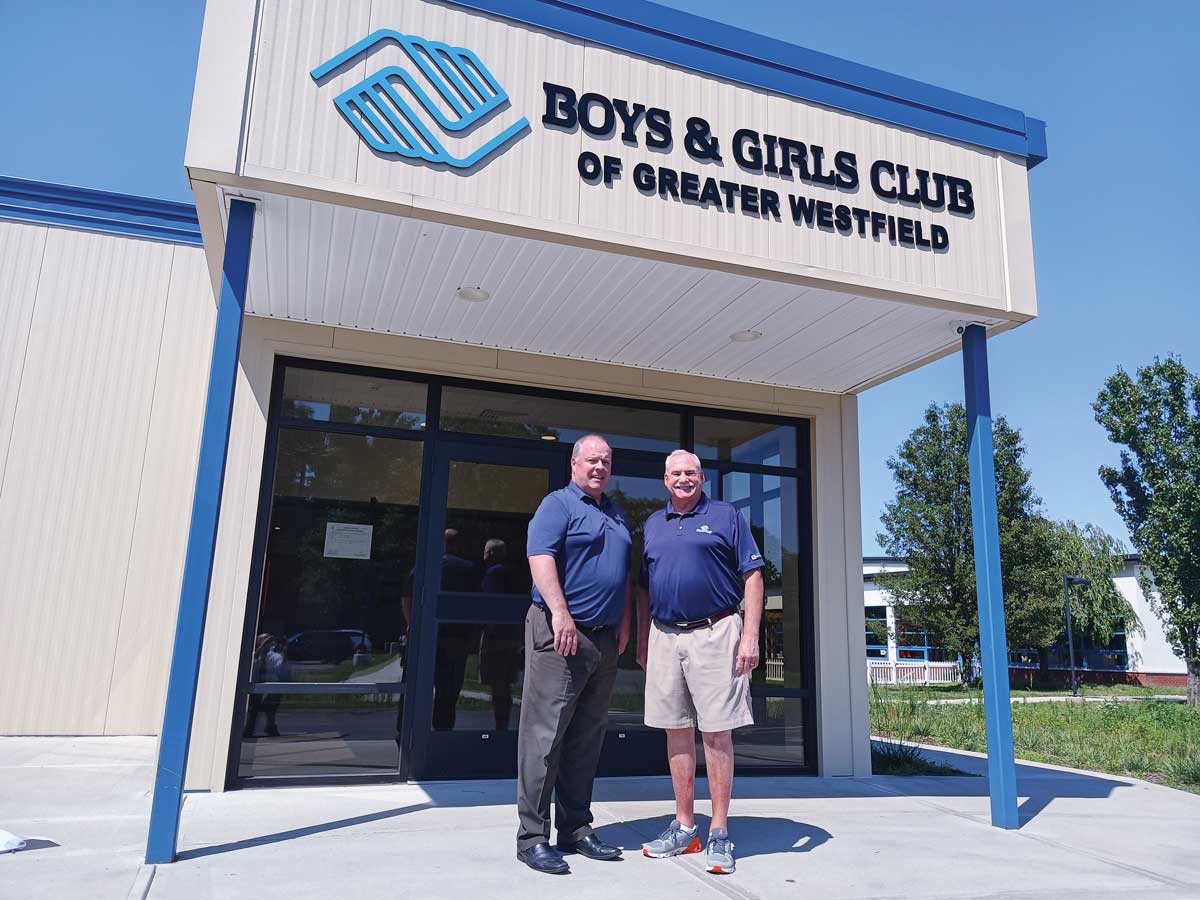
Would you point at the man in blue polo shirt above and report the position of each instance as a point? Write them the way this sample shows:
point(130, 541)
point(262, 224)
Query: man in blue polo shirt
point(577, 626)
point(700, 563)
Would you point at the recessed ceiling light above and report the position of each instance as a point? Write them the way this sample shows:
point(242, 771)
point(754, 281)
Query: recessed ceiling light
point(744, 337)
point(474, 294)
point(549, 437)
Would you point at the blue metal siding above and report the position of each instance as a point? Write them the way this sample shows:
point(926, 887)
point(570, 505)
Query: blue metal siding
point(202, 539)
point(44, 203)
point(1002, 778)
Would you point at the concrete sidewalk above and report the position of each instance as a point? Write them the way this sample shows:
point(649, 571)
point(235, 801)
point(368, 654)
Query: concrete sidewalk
point(84, 803)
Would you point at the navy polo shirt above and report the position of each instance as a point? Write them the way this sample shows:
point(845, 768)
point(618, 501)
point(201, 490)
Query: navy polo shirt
point(591, 544)
point(694, 562)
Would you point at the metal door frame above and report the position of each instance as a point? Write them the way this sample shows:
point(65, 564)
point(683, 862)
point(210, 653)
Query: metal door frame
point(429, 754)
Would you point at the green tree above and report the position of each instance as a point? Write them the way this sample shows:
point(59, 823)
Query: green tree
point(929, 525)
point(1156, 490)
point(1097, 609)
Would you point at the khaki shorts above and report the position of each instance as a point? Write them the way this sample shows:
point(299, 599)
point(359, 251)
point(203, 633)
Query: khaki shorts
point(692, 680)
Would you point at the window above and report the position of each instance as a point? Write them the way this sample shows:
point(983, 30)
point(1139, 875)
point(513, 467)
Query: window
point(745, 441)
point(877, 632)
point(555, 419)
point(318, 396)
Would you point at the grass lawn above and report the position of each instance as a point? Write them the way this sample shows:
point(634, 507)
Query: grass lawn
point(953, 691)
point(1154, 739)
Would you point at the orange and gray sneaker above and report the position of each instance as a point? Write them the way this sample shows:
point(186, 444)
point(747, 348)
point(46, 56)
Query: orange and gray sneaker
point(718, 855)
point(674, 840)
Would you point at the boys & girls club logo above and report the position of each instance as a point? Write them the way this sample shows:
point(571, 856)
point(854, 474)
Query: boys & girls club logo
point(393, 110)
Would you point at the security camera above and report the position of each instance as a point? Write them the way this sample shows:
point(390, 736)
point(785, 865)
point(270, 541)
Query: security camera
point(959, 326)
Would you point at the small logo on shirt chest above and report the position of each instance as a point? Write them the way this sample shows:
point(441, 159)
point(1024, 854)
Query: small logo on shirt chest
point(704, 529)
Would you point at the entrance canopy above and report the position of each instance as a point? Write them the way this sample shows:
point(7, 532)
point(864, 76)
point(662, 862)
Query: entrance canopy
point(565, 182)
point(629, 185)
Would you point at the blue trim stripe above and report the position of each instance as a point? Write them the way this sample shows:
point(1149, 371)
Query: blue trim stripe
point(44, 203)
point(682, 39)
point(993, 646)
point(184, 675)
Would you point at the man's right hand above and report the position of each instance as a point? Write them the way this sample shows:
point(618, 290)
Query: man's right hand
point(641, 654)
point(566, 638)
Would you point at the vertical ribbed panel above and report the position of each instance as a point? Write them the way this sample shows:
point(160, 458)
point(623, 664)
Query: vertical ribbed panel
point(296, 128)
point(69, 497)
point(151, 596)
point(974, 265)
point(293, 39)
point(334, 265)
point(21, 249)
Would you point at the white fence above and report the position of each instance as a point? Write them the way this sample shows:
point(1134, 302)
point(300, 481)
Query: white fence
point(913, 672)
point(775, 668)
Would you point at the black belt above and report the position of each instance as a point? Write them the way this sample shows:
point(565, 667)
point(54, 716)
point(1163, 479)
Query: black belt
point(586, 629)
point(701, 623)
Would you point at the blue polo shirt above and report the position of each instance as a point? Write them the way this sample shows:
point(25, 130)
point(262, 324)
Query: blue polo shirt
point(591, 544)
point(694, 562)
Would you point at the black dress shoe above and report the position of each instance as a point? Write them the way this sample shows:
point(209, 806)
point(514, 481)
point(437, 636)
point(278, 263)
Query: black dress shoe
point(541, 858)
point(591, 847)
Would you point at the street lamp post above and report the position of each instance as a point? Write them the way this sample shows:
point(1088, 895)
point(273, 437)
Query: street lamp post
point(1068, 581)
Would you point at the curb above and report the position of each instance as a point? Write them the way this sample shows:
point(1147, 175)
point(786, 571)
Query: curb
point(141, 884)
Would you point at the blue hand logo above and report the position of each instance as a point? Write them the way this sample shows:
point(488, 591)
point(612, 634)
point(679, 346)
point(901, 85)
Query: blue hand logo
point(386, 120)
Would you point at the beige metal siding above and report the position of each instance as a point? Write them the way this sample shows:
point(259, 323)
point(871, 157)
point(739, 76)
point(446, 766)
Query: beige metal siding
point(21, 248)
point(336, 265)
point(297, 137)
point(159, 538)
point(84, 468)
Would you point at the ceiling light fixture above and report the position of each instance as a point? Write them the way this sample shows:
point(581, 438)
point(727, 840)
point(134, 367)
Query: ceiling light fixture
point(744, 337)
point(474, 294)
point(549, 437)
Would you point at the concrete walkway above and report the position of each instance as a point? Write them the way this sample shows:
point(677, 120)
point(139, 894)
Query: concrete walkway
point(83, 804)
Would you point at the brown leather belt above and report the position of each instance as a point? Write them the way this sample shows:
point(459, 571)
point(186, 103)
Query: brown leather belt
point(701, 623)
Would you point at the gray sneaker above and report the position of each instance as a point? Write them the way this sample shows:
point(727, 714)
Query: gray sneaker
point(718, 856)
point(674, 840)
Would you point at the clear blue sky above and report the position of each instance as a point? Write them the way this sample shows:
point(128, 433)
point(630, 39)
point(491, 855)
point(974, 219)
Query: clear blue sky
point(1116, 209)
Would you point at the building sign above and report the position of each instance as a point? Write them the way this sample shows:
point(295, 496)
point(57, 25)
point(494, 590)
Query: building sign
point(439, 94)
point(407, 123)
point(786, 158)
point(497, 123)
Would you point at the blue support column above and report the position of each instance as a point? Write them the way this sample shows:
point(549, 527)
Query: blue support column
point(202, 539)
point(1002, 776)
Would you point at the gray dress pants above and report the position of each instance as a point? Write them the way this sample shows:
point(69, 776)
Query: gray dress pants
point(564, 713)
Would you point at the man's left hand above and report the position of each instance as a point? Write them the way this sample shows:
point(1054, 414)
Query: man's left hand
point(747, 657)
point(622, 635)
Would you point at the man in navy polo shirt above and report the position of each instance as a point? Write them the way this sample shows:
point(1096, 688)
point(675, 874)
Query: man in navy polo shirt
point(700, 562)
point(577, 626)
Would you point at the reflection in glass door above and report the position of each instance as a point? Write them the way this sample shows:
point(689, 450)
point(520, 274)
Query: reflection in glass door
point(381, 642)
point(327, 665)
point(467, 690)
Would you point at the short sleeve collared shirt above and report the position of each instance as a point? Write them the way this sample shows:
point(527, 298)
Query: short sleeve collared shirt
point(694, 562)
point(590, 543)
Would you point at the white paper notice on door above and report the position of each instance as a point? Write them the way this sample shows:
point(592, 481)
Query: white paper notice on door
point(344, 540)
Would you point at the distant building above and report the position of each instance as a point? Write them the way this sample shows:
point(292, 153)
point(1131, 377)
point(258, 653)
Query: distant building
point(1132, 658)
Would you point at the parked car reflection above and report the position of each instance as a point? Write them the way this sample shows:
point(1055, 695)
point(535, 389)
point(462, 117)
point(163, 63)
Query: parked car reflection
point(334, 645)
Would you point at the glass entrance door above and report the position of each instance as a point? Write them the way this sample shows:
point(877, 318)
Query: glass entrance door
point(474, 594)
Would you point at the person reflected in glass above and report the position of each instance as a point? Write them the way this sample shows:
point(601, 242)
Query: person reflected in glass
point(456, 640)
point(268, 664)
point(500, 644)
